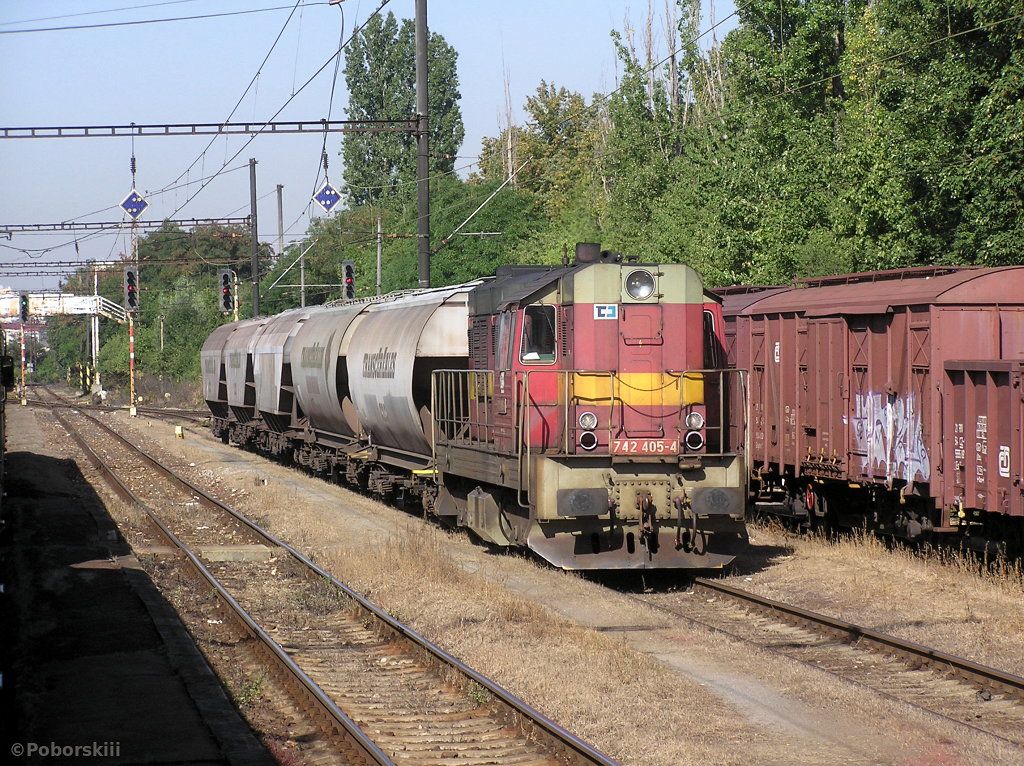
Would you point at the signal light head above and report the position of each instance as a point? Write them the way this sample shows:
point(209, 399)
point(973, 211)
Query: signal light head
point(348, 269)
point(131, 289)
point(226, 277)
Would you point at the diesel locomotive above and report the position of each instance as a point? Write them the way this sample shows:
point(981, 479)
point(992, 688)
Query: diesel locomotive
point(582, 411)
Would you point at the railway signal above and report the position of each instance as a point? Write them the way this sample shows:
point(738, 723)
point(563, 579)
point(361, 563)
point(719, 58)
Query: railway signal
point(23, 306)
point(226, 284)
point(134, 204)
point(348, 270)
point(131, 289)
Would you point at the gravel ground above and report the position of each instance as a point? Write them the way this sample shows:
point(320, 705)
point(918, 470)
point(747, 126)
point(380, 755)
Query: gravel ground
point(645, 690)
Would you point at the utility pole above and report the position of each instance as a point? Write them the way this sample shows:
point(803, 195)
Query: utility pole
point(255, 243)
point(380, 250)
point(96, 333)
point(302, 280)
point(280, 220)
point(422, 147)
point(161, 356)
point(131, 330)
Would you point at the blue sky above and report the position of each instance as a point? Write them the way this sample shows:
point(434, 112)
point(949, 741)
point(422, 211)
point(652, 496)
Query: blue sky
point(194, 71)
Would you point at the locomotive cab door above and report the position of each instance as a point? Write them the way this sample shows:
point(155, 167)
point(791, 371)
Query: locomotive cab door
point(542, 382)
point(642, 392)
point(504, 397)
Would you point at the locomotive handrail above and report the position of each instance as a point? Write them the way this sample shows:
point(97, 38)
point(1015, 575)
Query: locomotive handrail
point(462, 402)
point(524, 432)
point(723, 424)
point(461, 411)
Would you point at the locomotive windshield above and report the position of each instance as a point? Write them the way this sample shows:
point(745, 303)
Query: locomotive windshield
point(538, 335)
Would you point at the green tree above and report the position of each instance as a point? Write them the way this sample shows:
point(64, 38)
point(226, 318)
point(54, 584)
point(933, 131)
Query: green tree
point(380, 72)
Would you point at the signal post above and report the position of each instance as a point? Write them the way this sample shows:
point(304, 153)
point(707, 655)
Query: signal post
point(24, 399)
point(131, 367)
point(131, 305)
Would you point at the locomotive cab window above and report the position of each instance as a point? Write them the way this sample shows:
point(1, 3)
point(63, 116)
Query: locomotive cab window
point(538, 345)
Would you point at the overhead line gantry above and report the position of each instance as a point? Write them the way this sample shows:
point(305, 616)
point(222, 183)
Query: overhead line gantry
point(21, 228)
point(209, 129)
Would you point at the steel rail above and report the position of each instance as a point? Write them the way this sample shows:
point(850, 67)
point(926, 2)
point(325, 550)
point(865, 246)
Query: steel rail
point(973, 672)
point(169, 412)
point(339, 721)
point(578, 750)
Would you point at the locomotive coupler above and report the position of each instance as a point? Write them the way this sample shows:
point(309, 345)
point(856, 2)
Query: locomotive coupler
point(686, 539)
point(648, 535)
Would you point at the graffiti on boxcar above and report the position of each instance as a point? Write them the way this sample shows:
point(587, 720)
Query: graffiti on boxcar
point(889, 436)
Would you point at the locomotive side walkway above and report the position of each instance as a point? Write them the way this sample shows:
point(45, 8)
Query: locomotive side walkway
point(91, 653)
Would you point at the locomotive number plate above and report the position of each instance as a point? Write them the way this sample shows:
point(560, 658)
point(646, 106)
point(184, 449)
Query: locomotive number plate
point(645, 446)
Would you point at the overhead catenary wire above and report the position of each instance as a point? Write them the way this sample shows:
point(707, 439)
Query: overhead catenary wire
point(95, 13)
point(139, 22)
point(291, 98)
point(223, 170)
point(245, 92)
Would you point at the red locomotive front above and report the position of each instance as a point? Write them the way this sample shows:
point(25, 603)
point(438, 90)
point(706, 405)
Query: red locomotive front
point(593, 424)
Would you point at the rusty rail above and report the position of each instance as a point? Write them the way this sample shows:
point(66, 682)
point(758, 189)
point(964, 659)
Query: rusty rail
point(335, 717)
point(160, 412)
point(970, 671)
point(573, 749)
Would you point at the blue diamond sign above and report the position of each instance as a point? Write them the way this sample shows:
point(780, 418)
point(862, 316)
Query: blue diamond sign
point(327, 197)
point(134, 204)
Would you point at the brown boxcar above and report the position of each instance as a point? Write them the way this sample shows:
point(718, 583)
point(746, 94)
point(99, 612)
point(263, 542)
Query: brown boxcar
point(983, 418)
point(847, 384)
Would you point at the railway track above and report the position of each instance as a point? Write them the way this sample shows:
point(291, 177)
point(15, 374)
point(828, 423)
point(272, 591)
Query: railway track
point(942, 685)
point(384, 693)
point(173, 413)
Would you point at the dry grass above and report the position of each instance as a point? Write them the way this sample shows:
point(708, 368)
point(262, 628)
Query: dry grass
point(946, 599)
point(569, 671)
point(497, 613)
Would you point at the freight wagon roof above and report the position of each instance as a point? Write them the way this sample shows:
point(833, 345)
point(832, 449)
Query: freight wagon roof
point(984, 286)
point(738, 297)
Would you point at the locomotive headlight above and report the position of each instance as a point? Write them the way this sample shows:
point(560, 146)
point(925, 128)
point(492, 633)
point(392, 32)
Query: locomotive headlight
point(588, 440)
point(640, 285)
point(694, 440)
point(695, 421)
point(588, 421)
